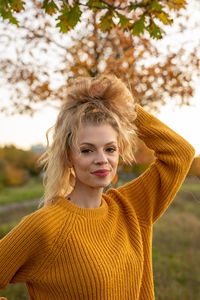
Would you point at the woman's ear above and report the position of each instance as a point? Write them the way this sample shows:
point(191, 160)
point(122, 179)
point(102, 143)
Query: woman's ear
point(68, 160)
point(69, 164)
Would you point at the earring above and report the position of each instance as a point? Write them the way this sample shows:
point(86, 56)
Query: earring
point(72, 177)
point(115, 179)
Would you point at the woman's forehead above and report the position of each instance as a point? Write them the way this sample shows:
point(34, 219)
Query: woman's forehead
point(92, 134)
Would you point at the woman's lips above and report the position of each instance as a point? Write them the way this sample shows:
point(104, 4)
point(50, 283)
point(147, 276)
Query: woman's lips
point(101, 173)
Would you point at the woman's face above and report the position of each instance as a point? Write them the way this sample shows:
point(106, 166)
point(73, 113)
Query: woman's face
point(95, 158)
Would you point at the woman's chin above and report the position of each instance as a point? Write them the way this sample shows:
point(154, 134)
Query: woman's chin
point(106, 184)
point(103, 185)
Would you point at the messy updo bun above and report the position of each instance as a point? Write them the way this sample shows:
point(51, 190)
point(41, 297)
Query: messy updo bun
point(101, 100)
point(109, 90)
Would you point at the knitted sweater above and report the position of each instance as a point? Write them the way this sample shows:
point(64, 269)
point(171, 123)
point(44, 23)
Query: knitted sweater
point(63, 251)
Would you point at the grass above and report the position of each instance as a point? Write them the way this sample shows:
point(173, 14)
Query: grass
point(176, 248)
point(15, 214)
point(191, 185)
point(15, 292)
point(6, 227)
point(176, 252)
point(32, 190)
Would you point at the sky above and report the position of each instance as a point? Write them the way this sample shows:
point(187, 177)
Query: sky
point(185, 121)
point(24, 131)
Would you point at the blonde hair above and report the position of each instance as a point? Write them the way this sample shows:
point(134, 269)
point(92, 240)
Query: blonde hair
point(101, 100)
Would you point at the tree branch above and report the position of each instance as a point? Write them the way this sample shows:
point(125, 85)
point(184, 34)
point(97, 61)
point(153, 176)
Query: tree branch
point(48, 39)
point(113, 7)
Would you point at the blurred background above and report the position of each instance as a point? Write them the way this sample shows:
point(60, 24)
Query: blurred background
point(39, 59)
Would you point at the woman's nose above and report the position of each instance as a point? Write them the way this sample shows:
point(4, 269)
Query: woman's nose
point(101, 158)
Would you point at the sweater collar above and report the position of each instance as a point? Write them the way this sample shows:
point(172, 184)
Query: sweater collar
point(86, 212)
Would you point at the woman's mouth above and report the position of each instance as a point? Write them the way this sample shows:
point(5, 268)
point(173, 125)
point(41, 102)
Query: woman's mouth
point(101, 173)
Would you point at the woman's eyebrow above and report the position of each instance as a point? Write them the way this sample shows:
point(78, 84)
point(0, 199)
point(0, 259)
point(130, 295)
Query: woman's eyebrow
point(90, 144)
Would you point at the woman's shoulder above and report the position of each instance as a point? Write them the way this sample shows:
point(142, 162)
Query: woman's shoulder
point(117, 195)
point(45, 217)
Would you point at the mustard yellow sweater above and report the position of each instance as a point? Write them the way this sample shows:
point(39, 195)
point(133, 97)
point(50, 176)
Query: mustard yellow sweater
point(64, 251)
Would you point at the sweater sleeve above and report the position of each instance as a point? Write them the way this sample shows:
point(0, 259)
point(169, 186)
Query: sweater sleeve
point(26, 247)
point(152, 192)
point(16, 248)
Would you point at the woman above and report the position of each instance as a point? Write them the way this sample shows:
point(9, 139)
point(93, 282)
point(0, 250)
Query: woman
point(84, 244)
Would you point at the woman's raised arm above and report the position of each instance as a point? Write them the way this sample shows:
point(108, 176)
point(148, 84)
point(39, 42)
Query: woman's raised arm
point(152, 192)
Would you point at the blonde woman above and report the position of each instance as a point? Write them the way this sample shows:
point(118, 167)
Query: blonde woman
point(84, 244)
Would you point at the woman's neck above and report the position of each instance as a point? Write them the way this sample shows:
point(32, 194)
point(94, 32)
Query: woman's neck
point(86, 197)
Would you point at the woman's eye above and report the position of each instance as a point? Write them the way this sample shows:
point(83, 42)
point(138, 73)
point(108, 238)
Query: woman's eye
point(111, 149)
point(86, 151)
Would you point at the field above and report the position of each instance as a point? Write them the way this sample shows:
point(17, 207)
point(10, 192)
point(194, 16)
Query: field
point(176, 247)
point(33, 189)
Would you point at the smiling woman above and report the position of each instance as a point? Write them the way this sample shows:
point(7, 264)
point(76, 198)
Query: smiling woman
point(84, 244)
point(102, 102)
point(94, 161)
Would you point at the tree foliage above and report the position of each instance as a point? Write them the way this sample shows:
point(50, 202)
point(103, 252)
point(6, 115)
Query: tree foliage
point(136, 16)
point(143, 158)
point(43, 62)
point(17, 165)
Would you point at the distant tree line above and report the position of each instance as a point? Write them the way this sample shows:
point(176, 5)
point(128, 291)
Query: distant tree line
point(17, 166)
